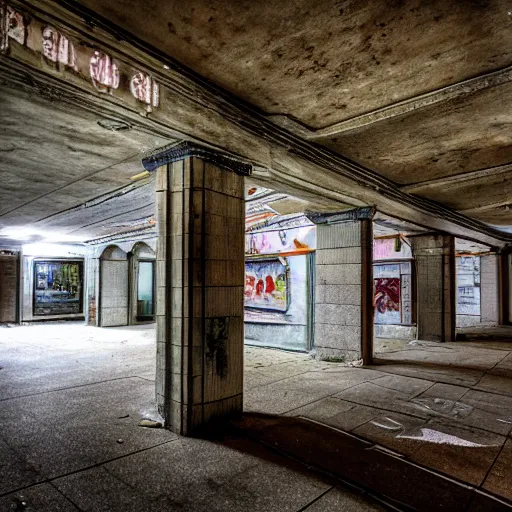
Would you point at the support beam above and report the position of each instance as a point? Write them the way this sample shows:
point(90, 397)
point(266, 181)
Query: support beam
point(435, 291)
point(457, 178)
point(343, 321)
point(200, 283)
point(451, 92)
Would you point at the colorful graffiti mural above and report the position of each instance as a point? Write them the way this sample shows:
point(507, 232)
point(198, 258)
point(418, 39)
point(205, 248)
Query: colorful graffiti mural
point(267, 284)
point(279, 241)
point(387, 294)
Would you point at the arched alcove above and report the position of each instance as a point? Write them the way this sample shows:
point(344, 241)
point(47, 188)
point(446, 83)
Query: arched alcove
point(113, 283)
point(142, 284)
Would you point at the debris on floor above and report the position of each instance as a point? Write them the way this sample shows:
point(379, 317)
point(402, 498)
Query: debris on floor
point(123, 417)
point(150, 424)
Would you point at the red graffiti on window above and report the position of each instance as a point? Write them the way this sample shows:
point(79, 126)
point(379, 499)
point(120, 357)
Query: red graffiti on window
point(387, 294)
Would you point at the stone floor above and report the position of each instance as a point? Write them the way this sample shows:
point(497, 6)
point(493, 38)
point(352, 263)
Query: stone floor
point(485, 349)
point(455, 419)
point(71, 397)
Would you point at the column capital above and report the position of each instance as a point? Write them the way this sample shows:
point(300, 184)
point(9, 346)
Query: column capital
point(366, 213)
point(187, 149)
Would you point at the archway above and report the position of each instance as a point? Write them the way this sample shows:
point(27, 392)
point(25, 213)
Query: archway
point(142, 284)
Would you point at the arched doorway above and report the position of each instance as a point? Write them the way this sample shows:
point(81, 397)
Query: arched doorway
point(142, 284)
point(113, 287)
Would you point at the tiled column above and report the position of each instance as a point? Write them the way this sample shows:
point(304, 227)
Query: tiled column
point(200, 280)
point(489, 310)
point(435, 298)
point(343, 322)
point(505, 286)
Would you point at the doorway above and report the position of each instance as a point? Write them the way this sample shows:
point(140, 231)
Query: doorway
point(145, 291)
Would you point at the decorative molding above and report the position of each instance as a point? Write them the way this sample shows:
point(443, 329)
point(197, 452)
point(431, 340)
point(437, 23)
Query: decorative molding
point(502, 205)
point(182, 150)
point(457, 90)
point(336, 217)
point(142, 233)
point(458, 178)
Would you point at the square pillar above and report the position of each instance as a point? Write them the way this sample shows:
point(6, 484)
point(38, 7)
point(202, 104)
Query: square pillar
point(489, 289)
point(505, 286)
point(436, 282)
point(343, 320)
point(200, 283)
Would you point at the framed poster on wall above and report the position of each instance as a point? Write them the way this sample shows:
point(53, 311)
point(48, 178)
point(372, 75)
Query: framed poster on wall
point(267, 284)
point(57, 287)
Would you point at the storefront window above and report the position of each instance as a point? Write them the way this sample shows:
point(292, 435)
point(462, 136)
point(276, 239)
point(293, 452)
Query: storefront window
point(145, 291)
point(58, 287)
point(392, 293)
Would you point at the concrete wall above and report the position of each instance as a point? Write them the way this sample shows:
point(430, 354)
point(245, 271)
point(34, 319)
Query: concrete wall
point(397, 332)
point(9, 279)
point(489, 289)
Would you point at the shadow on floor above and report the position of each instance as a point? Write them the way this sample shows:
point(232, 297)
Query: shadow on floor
point(385, 475)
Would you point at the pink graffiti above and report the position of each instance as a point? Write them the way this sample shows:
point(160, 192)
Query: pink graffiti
point(12, 26)
point(58, 48)
point(145, 89)
point(104, 72)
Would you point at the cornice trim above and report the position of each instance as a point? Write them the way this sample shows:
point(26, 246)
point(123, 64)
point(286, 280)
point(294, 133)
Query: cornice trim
point(344, 216)
point(458, 178)
point(186, 149)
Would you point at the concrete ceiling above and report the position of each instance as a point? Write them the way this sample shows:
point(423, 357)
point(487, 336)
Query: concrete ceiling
point(56, 161)
point(413, 90)
point(417, 91)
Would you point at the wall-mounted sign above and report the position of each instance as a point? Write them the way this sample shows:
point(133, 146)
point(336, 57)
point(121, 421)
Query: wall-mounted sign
point(145, 89)
point(12, 26)
point(104, 72)
point(58, 48)
point(266, 285)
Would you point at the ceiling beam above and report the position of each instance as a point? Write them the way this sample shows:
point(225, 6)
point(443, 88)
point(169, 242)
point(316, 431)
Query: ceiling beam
point(487, 207)
point(456, 179)
point(457, 90)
